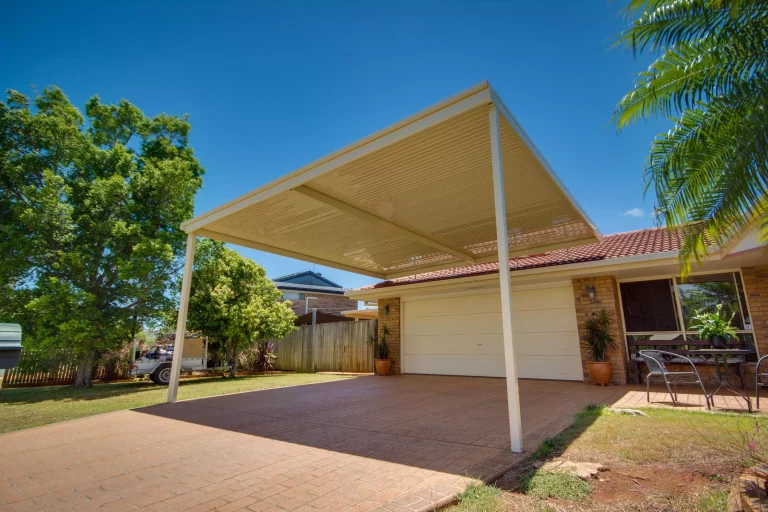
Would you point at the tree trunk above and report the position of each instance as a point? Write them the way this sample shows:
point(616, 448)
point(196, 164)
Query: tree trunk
point(85, 371)
point(232, 359)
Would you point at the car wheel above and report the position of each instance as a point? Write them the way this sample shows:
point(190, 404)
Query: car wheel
point(162, 376)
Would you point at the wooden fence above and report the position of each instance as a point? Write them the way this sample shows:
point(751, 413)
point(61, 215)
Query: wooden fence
point(332, 347)
point(32, 371)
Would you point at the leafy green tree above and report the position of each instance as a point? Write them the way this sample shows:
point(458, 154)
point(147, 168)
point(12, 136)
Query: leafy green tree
point(233, 302)
point(90, 209)
point(710, 76)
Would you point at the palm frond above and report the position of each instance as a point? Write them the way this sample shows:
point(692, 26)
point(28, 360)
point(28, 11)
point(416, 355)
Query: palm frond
point(710, 171)
point(692, 72)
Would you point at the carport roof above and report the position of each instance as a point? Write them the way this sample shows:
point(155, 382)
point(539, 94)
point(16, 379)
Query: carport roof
point(414, 197)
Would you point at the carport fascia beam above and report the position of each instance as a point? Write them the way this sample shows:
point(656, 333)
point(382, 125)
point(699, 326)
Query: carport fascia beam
point(381, 223)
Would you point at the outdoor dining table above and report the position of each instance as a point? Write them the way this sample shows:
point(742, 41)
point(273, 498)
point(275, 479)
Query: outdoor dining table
point(718, 355)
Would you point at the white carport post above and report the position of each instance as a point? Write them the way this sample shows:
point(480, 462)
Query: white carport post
point(513, 398)
point(181, 324)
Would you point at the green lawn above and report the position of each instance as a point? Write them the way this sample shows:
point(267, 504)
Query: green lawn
point(684, 460)
point(22, 408)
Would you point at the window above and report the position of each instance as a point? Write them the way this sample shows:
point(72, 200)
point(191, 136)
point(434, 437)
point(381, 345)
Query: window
point(704, 293)
point(663, 309)
point(293, 296)
point(649, 306)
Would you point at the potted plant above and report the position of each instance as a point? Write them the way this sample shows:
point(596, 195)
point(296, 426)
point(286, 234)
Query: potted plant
point(597, 341)
point(381, 352)
point(714, 328)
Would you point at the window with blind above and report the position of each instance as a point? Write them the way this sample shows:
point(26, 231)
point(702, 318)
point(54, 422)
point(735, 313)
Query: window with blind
point(649, 306)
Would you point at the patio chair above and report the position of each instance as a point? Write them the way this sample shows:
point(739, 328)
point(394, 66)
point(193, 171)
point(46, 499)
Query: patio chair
point(655, 360)
point(758, 382)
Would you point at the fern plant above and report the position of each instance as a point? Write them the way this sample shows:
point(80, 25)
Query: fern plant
point(710, 325)
point(597, 336)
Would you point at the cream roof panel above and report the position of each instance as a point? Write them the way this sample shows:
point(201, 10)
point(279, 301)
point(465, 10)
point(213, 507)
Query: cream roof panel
point(413, 197)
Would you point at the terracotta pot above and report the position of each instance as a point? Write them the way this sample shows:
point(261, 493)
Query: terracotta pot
point(600, 373)
point(383, 366)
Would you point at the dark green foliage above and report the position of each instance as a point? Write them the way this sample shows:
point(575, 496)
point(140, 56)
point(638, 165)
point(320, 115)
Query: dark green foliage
point(232, 301)
point(90, 209)
point(709, 172)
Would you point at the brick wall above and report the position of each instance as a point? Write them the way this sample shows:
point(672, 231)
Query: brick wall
point(389, 315)
point(756, 289)
point(607, 298)
point(325, 303)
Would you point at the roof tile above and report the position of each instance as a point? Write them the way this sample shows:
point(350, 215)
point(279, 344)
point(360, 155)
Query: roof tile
point(618, 245)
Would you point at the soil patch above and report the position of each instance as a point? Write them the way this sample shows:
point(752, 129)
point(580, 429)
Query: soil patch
point(625, 487)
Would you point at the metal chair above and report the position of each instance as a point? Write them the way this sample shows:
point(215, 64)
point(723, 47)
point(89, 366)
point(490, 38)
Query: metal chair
point(758, 383)
point(655, 361)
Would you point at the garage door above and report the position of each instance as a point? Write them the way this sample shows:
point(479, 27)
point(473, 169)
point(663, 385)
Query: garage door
point(462, 335)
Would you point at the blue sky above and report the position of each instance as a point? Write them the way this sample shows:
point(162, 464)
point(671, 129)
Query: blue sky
point(270, 86)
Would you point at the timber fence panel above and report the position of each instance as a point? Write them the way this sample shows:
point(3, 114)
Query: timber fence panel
point(331, 347)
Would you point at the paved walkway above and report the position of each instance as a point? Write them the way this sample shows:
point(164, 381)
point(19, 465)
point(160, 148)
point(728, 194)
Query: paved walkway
point(398, 443)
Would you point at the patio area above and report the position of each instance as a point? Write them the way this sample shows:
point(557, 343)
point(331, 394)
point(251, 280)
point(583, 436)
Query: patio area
point(397, 443)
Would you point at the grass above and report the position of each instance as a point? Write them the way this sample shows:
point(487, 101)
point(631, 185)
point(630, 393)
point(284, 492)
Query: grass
point(666, 436)
point(715, 445)
point(715, 502)
point(22, 408)
point(563, 486)
point(480, 498)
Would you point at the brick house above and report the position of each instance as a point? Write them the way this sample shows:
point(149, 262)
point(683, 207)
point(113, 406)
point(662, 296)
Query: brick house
point(449, 321)
point(324, 295)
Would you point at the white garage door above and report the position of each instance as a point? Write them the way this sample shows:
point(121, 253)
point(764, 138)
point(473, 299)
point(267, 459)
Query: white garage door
point(462, 335)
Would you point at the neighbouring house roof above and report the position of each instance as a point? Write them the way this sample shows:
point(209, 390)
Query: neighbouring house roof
point(307, 277)
point(618, 245)
point(308, 281)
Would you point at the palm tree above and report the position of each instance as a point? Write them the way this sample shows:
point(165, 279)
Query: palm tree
point(709, 172)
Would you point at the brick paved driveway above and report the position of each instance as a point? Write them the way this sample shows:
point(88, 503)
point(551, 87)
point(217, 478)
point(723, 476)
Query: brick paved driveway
point(398, 443)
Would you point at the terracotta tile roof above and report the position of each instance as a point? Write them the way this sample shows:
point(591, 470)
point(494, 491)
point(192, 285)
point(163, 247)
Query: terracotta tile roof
point(618, 245)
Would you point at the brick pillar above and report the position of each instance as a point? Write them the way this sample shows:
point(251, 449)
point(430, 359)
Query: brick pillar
point(607, 298)
point(389, 315)
point(756, 289)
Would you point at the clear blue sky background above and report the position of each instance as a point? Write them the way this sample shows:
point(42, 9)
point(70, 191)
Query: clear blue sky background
point(270, 86)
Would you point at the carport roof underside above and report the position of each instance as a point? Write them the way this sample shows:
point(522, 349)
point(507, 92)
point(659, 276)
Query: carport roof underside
point(414, 197)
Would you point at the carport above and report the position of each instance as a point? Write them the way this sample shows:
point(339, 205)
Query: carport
point(457, 183)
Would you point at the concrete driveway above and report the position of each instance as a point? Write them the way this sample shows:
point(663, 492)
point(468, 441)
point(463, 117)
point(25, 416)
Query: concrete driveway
point(398, 443)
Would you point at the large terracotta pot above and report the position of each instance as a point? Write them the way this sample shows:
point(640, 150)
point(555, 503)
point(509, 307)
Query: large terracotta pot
point(600, 373)
point(383, 366)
